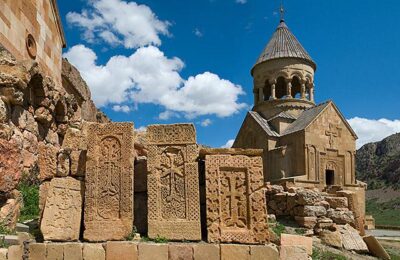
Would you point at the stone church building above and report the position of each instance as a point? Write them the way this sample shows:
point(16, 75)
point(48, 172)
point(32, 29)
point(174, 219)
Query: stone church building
point(309, 144)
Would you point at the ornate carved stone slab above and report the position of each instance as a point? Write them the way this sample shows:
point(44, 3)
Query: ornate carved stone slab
point(235, 198)
point(173, 182)
point(109, 182)
point(63, 210)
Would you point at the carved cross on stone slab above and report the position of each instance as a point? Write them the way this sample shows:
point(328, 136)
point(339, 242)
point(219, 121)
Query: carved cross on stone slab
point(332, 133)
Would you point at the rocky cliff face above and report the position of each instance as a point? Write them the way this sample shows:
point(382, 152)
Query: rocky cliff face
point(34, 111)
point(378, 163)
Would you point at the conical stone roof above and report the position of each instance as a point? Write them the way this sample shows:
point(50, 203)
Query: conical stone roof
point(284, 44)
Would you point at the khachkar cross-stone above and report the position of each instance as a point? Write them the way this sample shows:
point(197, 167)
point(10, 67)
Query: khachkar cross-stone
point(173, 182)
point(235, 194)
point(332, 133)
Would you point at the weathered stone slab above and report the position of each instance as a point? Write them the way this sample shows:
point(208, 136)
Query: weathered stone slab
point(121, 250)
point(294, 240)
point(375, 247)
point(269, 252)
point(47, 161)
point(173, 182)
point(235, 199)
point(109, 182)
point(180, 252)
point(206, 252)
point(352, 241)
point(63, 210)
point(235, 252)
point(148, 251)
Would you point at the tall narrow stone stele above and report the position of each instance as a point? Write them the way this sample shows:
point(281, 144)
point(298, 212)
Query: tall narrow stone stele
point(63, 210)
point(235, 198)
point(109, 182)
point(173, 182)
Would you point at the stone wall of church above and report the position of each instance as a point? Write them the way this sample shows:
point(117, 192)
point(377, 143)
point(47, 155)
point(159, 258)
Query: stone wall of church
point(330, 147)
point(29, 29)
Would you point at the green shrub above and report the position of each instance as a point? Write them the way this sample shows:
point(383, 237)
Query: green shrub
point(30, 195)
point(160, 239)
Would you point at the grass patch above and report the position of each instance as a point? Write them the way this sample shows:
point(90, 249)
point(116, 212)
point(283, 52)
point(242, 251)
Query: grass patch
point(326, 255)
point(29, 189)
point(394, 254)
point(3, 243)
point(279, 229)
point(4, 230)
point(386, 213)
point(158, 239)
point(300, 231)
point(132, 234)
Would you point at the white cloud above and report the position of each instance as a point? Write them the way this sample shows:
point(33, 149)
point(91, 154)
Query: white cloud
point(206, 122)
point(369, 130)
point(241, 1)
point(124, 108)
point(119, 22)
point(198, 33)
point(148, 76)
point(228, 144)
point(141, 129)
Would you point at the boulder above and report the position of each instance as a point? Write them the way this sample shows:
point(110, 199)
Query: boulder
point(337, 202)
point(341, 217)
point(9, 212)
point(309, 211)
point(331, 238)
point(308, 197)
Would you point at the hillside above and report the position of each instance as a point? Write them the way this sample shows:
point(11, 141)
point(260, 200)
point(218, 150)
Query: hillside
point(378, 164)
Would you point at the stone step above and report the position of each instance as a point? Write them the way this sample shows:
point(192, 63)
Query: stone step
point(22, 228)
point(10, 239)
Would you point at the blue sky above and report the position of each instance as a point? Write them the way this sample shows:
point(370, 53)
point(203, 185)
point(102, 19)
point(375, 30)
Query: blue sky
point(154, 59)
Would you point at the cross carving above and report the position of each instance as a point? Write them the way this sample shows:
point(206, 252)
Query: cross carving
point(234, 196)
point(333, 132)
point(172, 172)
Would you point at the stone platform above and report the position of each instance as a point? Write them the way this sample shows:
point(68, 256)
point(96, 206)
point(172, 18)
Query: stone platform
point(141, 251)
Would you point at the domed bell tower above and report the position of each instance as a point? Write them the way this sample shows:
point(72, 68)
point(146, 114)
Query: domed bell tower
point(283, 76)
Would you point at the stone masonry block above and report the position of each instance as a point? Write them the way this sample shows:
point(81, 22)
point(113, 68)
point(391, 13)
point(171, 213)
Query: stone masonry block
point(94, 252)
point(73, 251)
point(121, 250)
point(153, 251)
point(37, 251)
point(3, 253)
point(206, 252)
point(55, 251)
point(180, 252)
point(294, 240)
point(269, 252)
point(235, 252)
point(15, 252)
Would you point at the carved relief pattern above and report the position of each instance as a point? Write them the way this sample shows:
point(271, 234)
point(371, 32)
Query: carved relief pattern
point(109, 182)
point(235, 199)
point(173, 183)
point(63, 210)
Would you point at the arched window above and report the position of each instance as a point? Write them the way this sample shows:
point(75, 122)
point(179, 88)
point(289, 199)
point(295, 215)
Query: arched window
point(296, 87)
point(267, 90)
point(280, 87)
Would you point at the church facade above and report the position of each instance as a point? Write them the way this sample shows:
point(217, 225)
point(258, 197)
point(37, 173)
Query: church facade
point(304, 143)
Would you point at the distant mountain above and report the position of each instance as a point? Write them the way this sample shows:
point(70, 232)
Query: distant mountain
point(378, 164)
